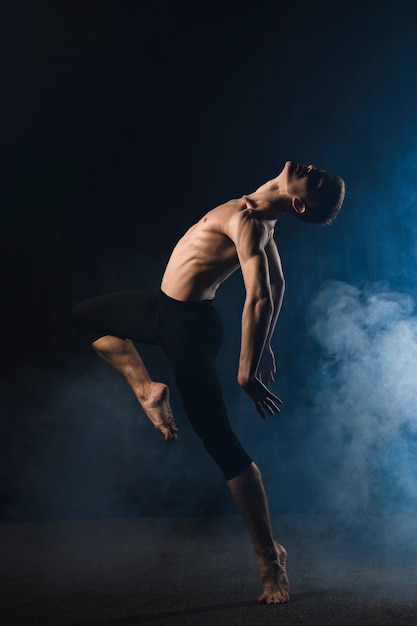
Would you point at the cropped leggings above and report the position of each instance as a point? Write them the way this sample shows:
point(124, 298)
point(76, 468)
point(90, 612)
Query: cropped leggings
point(191, 335)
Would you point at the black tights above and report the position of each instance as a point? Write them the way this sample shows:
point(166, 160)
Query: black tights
point(191, 335)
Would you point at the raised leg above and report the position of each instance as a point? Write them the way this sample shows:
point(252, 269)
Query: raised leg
point(153, 396)
point(249, 494)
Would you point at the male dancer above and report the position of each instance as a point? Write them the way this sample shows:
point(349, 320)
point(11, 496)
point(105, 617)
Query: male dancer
point(182, 319)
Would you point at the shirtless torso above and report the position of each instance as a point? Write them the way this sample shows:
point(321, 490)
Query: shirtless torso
point(210, 251)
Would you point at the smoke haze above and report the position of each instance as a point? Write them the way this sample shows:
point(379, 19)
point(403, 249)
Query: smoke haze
point(363, 401)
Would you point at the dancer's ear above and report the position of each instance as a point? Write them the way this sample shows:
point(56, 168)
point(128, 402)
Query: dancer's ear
point(298, 205)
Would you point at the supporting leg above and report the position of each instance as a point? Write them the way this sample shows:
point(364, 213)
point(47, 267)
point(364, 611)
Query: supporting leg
point(122, 355)
point(249, 494)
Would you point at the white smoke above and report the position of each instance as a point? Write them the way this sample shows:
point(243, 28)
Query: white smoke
point(365, 398)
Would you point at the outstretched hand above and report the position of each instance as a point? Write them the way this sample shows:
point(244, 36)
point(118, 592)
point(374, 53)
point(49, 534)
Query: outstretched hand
point(263, 399)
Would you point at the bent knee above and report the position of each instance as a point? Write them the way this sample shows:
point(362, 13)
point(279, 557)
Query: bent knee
point(84, 322)
point(229, 455)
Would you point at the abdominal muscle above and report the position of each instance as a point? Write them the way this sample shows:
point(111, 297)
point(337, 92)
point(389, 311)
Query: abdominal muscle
point(203, 258)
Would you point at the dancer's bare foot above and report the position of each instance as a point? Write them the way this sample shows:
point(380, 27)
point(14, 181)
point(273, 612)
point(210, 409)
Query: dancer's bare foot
point(272, 566)
point(157, 408)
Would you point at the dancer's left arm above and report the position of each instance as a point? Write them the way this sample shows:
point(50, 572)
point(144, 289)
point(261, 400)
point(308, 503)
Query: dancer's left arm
point(267, 366)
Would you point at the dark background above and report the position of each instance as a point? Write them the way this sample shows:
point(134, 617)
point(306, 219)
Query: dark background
point(122, 123)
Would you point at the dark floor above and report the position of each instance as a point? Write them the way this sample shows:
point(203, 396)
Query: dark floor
point(196, 571)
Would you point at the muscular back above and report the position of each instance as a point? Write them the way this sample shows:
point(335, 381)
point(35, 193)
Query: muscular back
point(206, 255)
